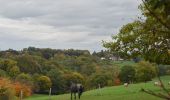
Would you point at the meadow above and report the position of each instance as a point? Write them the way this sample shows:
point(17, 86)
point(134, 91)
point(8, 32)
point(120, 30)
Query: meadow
point(132, 92)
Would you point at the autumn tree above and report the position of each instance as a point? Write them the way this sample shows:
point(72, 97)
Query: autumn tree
point(27, 91)
point(7, 91)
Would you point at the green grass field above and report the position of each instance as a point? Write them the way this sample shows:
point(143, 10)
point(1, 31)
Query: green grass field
point(123, 63)
point(113, 93)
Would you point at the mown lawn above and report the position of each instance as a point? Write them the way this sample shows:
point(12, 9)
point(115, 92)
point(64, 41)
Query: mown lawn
point(113, 93)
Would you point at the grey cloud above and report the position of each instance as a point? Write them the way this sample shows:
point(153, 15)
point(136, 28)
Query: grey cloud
point(72, 23)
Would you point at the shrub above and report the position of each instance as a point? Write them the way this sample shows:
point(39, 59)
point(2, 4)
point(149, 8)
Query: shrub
point(145, 71)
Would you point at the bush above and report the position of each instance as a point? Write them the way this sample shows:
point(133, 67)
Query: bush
point(145, 71)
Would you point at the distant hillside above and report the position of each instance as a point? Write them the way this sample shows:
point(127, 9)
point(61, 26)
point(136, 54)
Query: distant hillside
point(61, 66)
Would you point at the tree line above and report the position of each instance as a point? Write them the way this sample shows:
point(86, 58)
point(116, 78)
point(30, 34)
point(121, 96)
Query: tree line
point(35, 70)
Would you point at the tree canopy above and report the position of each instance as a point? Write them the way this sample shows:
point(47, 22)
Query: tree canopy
point(148, 38)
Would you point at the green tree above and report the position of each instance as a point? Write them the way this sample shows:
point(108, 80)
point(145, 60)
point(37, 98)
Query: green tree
point(44, 83)
point(74, 77)
point(36, 86)
point(28, 64)
point(7, 64)
point(88, 69)
point(157, 9)
point(14, 71)
point(3, 73)
point(99, 78)
point(10, 66)
point(140, 39)
point(127, 74)
point(57, 81)
point(25, 78)
point(147, 38)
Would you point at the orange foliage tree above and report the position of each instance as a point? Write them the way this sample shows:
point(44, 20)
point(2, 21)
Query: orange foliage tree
point(6, 89)
point(22, 87)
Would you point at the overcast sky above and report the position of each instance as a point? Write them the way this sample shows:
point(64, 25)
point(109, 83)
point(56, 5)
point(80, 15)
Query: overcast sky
point(63, 24)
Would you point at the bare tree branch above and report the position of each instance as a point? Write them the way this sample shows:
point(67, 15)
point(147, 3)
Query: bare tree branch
point(163, 86)
point(157, 95)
